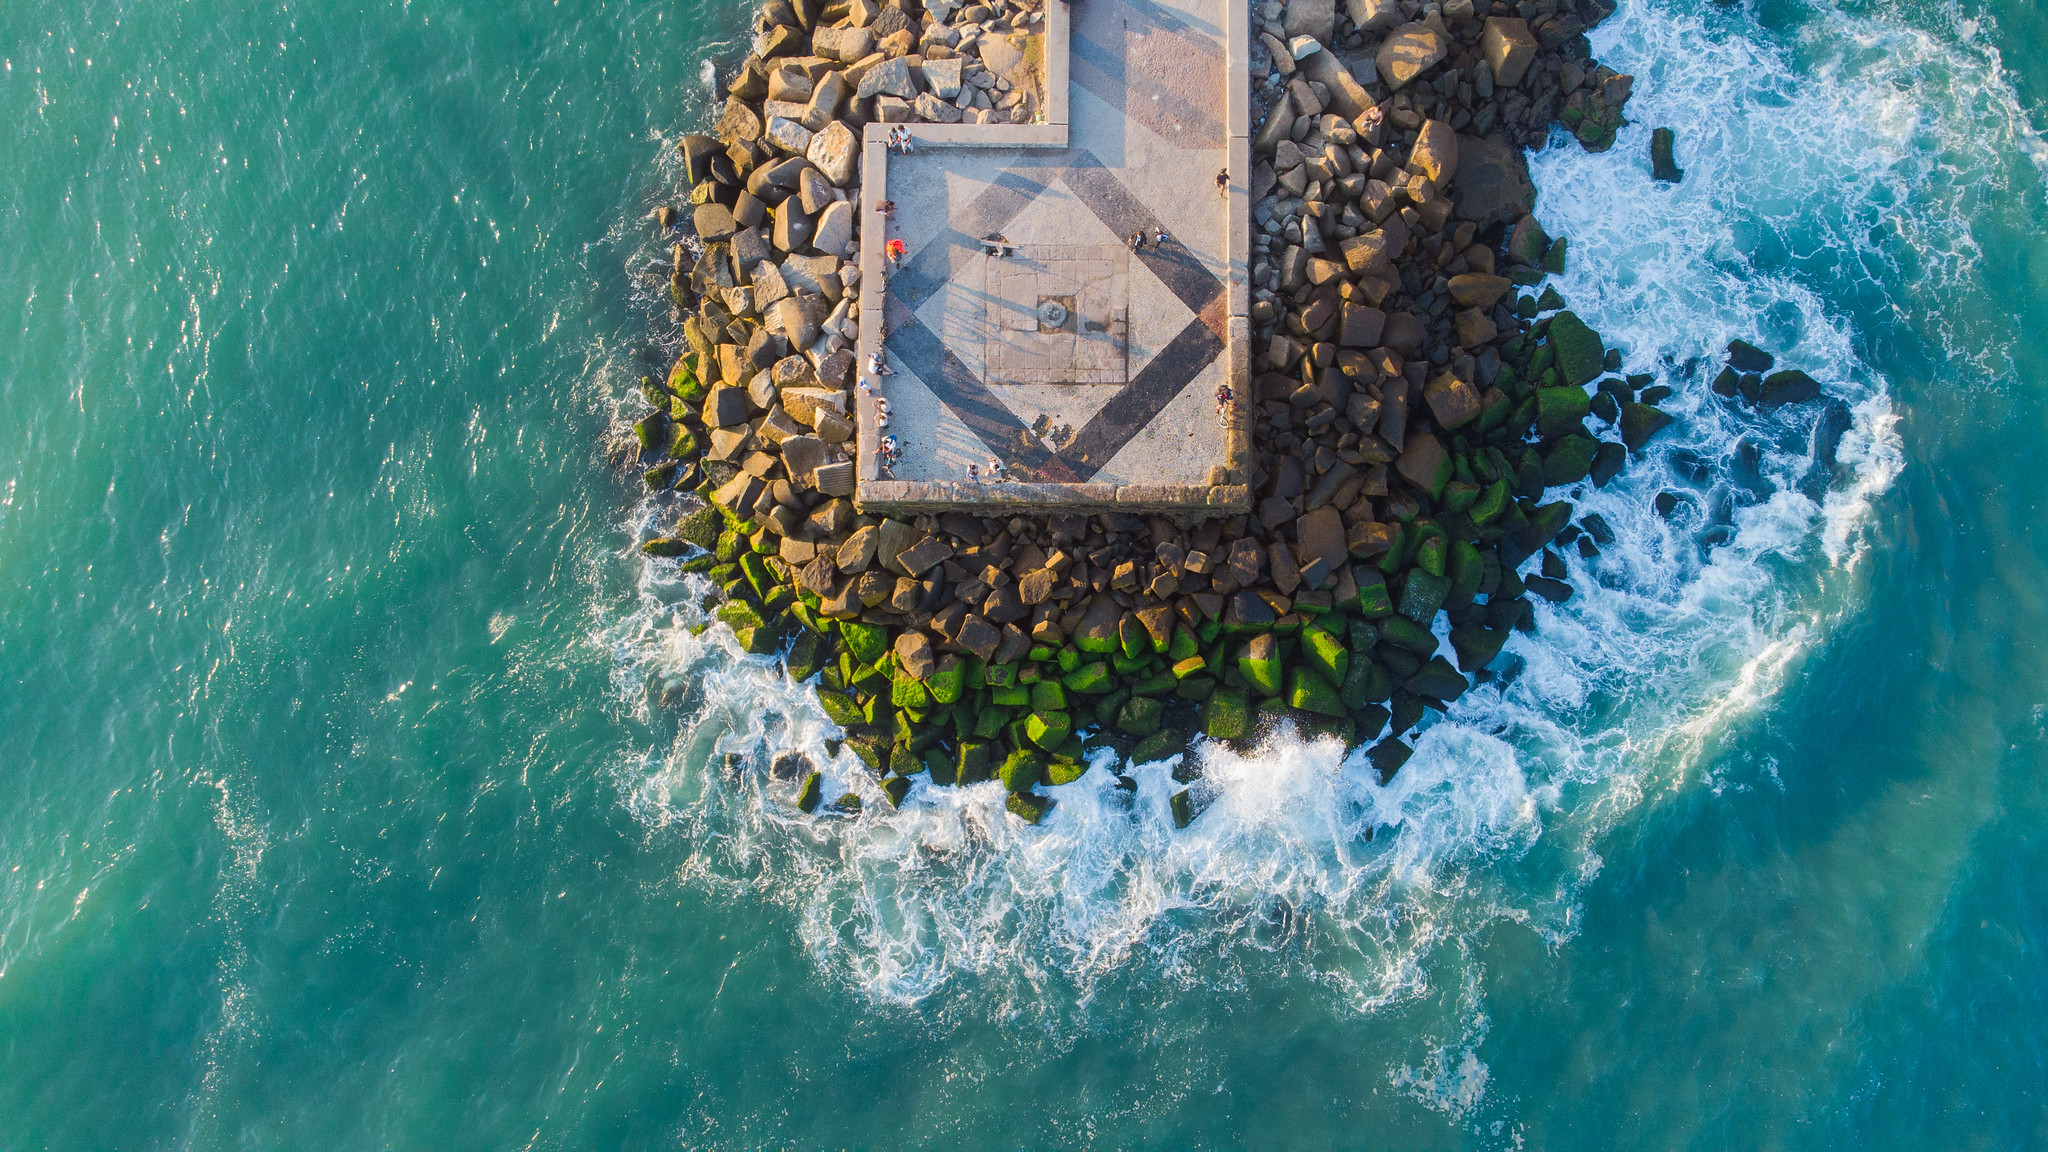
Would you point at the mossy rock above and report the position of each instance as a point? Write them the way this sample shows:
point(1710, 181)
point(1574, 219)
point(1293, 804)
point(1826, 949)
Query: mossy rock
point(1307, 690)
point(1570, 462)
point(664, 547)
point(1477, 645)
point(1141, 716)
point(806, 653)
point(1639, 422)
point(866, 641)
point(661, 477)
point(1029, 807)
point(908, 691)
point(1226, 715)
point(1050, 729)
point(1048, 696)
point(1559, 410)
point(1388, 755)
point(1259, 664)
point(1089, 679)
point(972, 761)
point(947, 682)
point(896, 788)
point(1407, 633)
point(1160, 745)
point(1063, 770)
point(1438, 681)
point(1022, 769)
point(840, 709)
point(700, 526)
point(1326, 653)
point(1424, 595)
point(807, 797)
point(1580, 356)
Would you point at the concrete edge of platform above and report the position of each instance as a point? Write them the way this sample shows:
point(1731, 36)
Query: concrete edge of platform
point(928, 496)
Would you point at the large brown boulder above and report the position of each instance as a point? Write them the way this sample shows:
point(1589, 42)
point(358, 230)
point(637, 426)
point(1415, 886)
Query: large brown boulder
point(1493, 181)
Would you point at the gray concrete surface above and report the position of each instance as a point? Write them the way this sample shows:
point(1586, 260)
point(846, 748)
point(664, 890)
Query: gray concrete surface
point(1087, 369)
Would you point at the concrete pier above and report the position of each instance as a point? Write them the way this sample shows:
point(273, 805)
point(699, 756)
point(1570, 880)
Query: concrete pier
point(1037, 356)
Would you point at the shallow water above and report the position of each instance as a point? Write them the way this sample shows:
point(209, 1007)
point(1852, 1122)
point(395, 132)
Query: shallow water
point(359, 787)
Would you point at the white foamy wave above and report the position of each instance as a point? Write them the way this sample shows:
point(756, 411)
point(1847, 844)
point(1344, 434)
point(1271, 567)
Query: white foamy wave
point(1828, 189)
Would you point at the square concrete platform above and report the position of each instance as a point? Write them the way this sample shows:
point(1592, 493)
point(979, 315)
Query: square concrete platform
point(1022, 328)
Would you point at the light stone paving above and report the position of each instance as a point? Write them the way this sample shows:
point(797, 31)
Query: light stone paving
point(1022, 329)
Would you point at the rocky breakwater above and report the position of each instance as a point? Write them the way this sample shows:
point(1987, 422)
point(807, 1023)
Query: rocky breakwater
point(1413, 399)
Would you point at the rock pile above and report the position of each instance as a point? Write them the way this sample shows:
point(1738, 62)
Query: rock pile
point(1410, 407)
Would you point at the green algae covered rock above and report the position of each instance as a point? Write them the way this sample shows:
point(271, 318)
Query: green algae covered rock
point(1022, 769)
point(866, 641)
point(896, 788)
point(1089, 679)
point(1259, 664)
point(1580, 356)
point(1141, 716)
point(1570, 461)
point(1307, 690)
point(972, 764)
point(1049, 730)
point(807, 797)
point(1559, 410)
point(840, 708)
point(1063, 770)
point(1158, 746)
point(1326, 654)
point(1226, 715)
point(1437, 680)
point(1028, 806)
point(1048, 696)
point(948, 681)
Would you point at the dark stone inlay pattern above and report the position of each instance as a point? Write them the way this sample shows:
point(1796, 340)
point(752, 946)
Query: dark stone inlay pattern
point(1131, 409)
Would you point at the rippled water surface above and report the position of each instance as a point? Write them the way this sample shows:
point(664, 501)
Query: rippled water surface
point(360, 786)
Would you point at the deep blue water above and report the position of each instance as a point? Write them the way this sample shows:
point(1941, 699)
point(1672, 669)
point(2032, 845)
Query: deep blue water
point(360, 787)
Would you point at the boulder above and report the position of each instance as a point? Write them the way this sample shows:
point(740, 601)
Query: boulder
point(1320, 544)
point(1509, 49)
point(935, 110)
point(1746, 357)
point(1425, 464)
point(793, 320)
point(1373, 15)
point(714, 221)
point(834, 479)
point(1348, 97)
point(793, 228)
point(1663, 165)
point(1580, 356)
point(787, 135)
point(1317, 18)
point(889, 78)
point(943, 77)
point(1435, 154)
point(1003, 58)
point(845, 45)
point(1479, 289)
point(1790, 386)
point(1528, 243)
point(831, 92)
point(836, 152)
point(738, 123)
point(1408, 52)
point(1361, 326)
point(1453, 401)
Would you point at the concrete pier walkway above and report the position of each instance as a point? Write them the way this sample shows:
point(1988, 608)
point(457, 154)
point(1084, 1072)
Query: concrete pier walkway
point(1024, 328)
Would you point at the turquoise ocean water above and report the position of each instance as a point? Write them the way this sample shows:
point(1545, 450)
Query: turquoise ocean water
point(360, 788)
